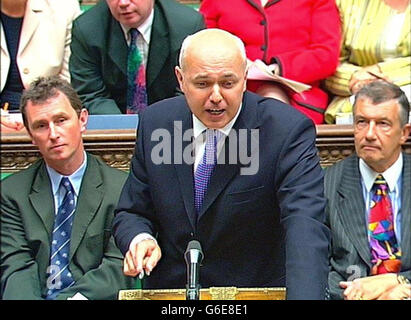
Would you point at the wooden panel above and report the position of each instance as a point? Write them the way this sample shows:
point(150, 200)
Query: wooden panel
point(116, 147)
point(88, 2)
point(213, 293)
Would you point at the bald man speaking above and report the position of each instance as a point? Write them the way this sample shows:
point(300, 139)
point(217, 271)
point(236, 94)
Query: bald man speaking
point(235, 171)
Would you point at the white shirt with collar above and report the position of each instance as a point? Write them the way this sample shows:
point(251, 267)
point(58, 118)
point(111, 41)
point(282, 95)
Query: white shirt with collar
point(143, 40)
point(199, 137)
point(75, 179)
point(393, 176)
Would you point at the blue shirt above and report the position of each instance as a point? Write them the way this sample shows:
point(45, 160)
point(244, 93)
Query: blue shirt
point(75, 179)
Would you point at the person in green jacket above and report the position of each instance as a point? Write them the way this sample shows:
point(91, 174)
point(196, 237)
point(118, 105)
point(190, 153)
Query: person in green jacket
point(34, 264)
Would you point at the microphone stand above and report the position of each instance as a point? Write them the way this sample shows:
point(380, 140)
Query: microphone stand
point(193, 256)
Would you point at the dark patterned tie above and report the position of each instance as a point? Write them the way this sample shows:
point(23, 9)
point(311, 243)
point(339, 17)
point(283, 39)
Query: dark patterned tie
point(136, 77)
point(59, 275)
point(385, 251)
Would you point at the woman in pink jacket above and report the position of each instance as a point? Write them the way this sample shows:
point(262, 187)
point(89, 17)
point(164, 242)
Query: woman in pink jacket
point(298, 39)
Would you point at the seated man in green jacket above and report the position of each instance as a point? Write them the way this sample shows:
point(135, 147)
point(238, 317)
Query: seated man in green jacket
point(107, 76)
point(56, 215)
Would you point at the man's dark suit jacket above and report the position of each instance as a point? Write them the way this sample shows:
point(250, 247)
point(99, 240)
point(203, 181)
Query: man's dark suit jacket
point(98, 61)
point(345, 212)
point(261, 230)
point(27, 217)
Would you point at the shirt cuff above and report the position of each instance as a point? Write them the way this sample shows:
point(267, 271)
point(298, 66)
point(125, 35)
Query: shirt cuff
point(141, 237)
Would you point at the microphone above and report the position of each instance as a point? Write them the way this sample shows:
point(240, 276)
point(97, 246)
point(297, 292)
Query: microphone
point(193, 257)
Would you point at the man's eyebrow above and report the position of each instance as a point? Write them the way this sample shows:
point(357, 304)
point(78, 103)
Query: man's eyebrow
point(203, 76)
point(37, 122)
point(59, 115)
point(54, 117)
point(200, 76)
point(229, 74)
point(375, 119)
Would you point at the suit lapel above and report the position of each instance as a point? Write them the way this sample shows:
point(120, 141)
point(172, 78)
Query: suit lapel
point(42, 199)
point(90, 197)
point(117, 46)
point(184, 170)
point(30, 23)
point(352, 209)
point(406, 213)
point(159, 47)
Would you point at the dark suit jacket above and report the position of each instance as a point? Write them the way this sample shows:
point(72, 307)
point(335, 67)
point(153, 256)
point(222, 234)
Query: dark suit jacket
point(350, 249)
point(27, 217)
point(260, 230)
point(98, 61)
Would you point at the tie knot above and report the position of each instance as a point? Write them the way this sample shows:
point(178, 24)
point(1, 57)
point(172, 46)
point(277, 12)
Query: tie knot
point(210, 151)
point(65, 183)
point(133, 34)
point(209, 135)
point(213, 135)
point(380, 184)
point(212, 138)
point(380, 179)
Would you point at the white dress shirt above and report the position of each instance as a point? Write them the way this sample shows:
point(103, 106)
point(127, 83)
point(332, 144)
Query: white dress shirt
point(200, 140)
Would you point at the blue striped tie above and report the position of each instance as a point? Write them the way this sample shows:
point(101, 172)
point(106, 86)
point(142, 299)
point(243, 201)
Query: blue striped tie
point(59, 275)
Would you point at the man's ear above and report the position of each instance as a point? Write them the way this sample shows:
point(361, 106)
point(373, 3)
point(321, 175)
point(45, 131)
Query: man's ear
point(83, 118)
point(245, 79)
point(179, 75)
point(406, 130)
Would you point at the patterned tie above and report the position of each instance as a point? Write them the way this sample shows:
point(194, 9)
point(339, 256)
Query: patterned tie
point(205, 167)
point(59, 275)
point(136, 77)
point(385, 251)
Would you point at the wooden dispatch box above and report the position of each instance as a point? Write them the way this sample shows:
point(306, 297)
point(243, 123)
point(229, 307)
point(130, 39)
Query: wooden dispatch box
point(212, 293)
